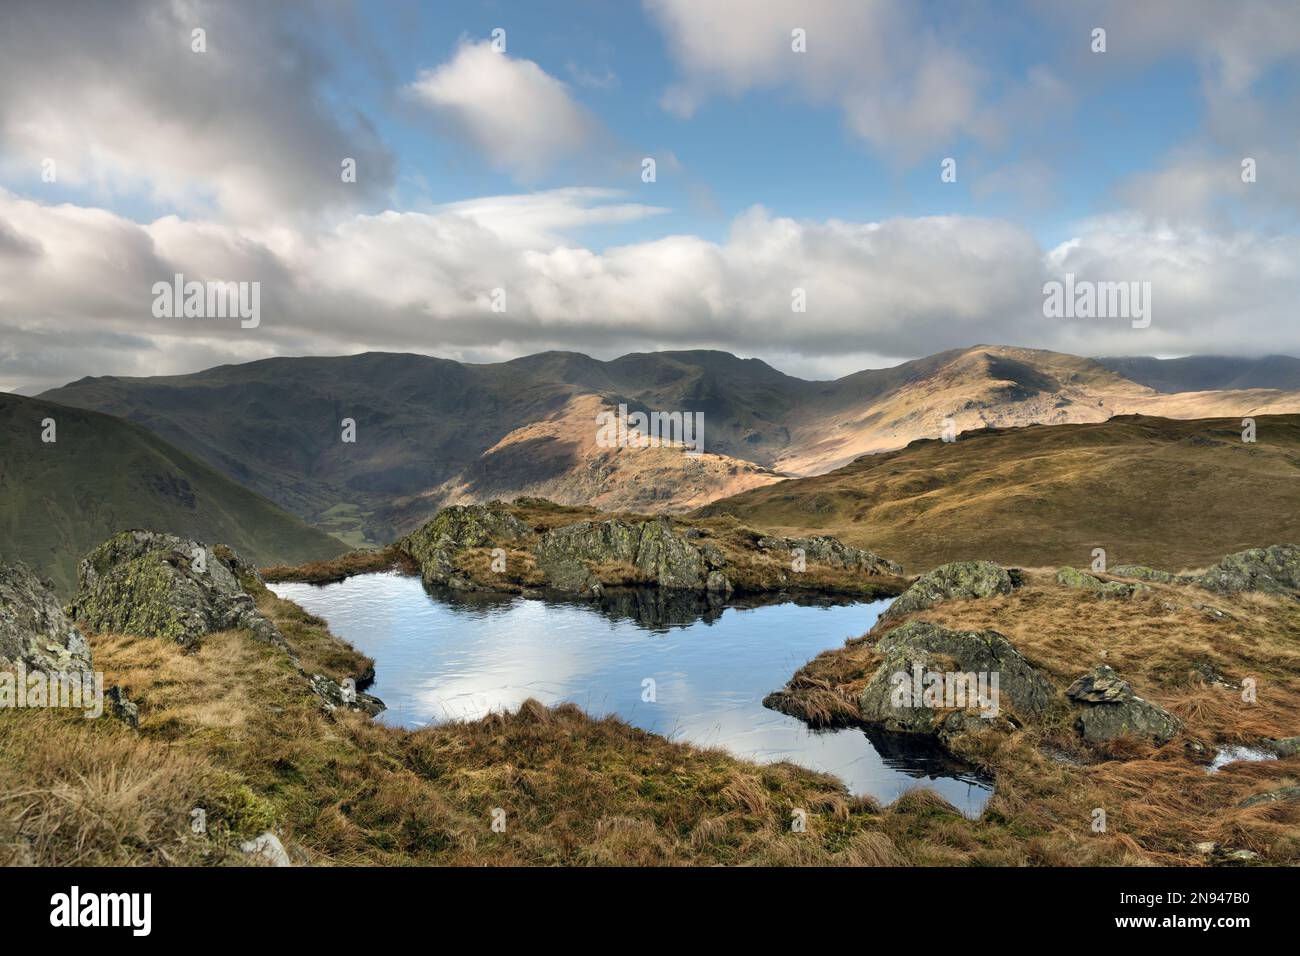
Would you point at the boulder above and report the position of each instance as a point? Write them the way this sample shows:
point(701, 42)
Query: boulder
point(158, 585)
point(832, 552)
point(435, 544)
point(33, 628)
point(1073, 578)
point(961, 579)
point(267, 849)
point(117, 705)
point(1110, 709)
point(1280, 795)
point(652, 548)
point(921, 648)
point(334, 695)
point(1274, 570)
point(1144, 573)
point(1284, 746)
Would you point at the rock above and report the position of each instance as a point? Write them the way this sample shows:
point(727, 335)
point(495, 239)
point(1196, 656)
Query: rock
point(434, 544)
point(1280, 795)
point(1073, 578)
point(34, 631)
point(334, 696)
point(117, 705)
point(1111, 709)
point(833, 552)
point(1274, 570)
point(158, 585)
point(961, 579)
point(1284, 746)
point(1144, 573)
point(659, 555)
point(920, 646)
point(268, 850)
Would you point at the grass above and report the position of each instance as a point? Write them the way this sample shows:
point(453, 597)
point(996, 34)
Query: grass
point(231, 728)
point(1148, 490)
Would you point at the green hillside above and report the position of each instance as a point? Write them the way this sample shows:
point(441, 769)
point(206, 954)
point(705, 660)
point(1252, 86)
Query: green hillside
point(102, 475)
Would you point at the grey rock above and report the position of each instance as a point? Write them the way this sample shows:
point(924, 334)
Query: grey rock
point(932, 648)
point(1274, 570)
point(652, 548)
point(435, 544)
point(34, 631)
point(117, 705)
point(267, 849)
point(1284, 746)
point(333, 696)
point(1280, 795)
point(833, 552)
point(1074, 578)
point(1110, 709)
point(1144, 573)
point(158, 585)
point(961, 579)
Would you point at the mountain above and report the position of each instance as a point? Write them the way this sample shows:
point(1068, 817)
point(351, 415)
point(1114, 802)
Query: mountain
point(431, 432)
point(101, 475)
point(1197, 373)
point(1154, 491)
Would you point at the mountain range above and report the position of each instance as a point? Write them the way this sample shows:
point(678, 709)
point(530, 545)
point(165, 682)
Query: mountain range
point(431, 432)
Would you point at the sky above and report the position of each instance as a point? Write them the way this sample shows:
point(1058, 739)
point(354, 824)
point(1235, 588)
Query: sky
point(835, 185)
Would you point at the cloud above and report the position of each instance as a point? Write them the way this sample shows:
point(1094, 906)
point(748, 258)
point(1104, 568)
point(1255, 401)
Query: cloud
point(242, 130)
point(518, 116)
point(901, 88)
point(75, 287)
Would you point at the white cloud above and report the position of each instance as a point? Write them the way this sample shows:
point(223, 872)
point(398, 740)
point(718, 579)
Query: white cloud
point(240, 130)
point(522, 119)
point(75, 287)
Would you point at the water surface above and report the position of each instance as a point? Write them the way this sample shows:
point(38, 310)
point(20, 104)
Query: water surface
point(442, 655)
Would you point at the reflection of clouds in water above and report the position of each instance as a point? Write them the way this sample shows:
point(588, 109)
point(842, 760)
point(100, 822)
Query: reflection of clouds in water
point(459, 657)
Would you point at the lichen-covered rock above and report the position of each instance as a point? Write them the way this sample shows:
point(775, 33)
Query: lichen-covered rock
point(833, 552)
point(434, 544)
point(116, 704)
point(961, 579)
point(33, 628)
point(1280, 795)
point(334, 695)
point(982, 676)
point(1074, 578)
point(1274, 570)
point(158, 585)
point(657, 553)
point(1284, 746)
point(1110, 709)
point(1143, 573)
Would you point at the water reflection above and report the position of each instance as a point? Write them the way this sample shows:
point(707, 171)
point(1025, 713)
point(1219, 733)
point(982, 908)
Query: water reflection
point(681, 665)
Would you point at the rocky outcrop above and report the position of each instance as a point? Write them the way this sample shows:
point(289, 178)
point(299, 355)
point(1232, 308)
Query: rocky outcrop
point(980, 676)
point(158, 585)
point(656, 553)
point(117, 705)
point(832, 552)
point(1110, 709)
point(1274, 570)
point(1143, 573)
point(961, 579)
point(33, 628)
point(1074, 578)
point(435, 544)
